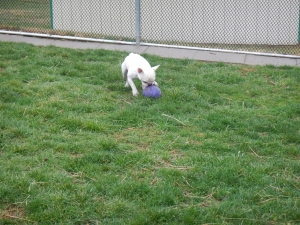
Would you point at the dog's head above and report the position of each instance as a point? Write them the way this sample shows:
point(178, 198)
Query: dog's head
point(147, 76)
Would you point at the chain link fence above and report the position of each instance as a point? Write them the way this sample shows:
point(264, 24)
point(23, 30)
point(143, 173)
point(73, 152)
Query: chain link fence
point(270, 26)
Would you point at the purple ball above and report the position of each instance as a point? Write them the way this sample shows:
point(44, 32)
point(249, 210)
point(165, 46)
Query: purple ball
point(152, 92)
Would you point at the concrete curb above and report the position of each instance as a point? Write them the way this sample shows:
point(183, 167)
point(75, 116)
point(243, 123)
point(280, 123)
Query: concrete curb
point(170, 52)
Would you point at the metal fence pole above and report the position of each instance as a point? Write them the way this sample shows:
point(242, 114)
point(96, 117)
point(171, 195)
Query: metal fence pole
point(51, 14)
point(138, 21)
point(299, 27)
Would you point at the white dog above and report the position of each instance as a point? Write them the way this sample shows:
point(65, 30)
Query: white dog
point(135, 66)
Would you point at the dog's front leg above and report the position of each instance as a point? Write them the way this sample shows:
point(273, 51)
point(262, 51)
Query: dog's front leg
point(133, 87)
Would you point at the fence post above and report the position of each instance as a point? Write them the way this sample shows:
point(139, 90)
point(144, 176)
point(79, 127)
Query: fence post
point(51, 14)
point(299, 26)
point(138, 22)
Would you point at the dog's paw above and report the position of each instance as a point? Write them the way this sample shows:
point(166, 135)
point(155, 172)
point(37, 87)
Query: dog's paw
point(135, 93)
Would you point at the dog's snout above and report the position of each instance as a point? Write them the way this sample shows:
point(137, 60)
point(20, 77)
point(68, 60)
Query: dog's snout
point(149, 83)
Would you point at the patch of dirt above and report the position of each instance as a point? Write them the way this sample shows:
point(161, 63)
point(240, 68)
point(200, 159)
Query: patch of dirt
point(13, 212)
point(246, 70)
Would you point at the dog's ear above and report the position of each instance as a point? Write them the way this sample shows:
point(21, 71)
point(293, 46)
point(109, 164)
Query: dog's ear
point(140, 70)
point(155, 67)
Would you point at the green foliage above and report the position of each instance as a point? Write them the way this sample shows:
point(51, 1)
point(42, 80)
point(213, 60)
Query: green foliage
point(221, 145)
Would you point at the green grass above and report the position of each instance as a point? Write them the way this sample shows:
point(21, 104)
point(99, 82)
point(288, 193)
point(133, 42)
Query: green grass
point(25, 15)
point(220, 147)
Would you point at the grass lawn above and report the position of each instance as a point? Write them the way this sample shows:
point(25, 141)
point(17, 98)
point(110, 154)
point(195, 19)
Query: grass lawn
point(222, 146)
point(26, 15)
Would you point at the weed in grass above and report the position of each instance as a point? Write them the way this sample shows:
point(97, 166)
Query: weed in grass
point(220, 146)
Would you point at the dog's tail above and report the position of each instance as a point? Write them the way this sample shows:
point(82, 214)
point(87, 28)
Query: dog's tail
point(124, 71)
point(125, 75)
